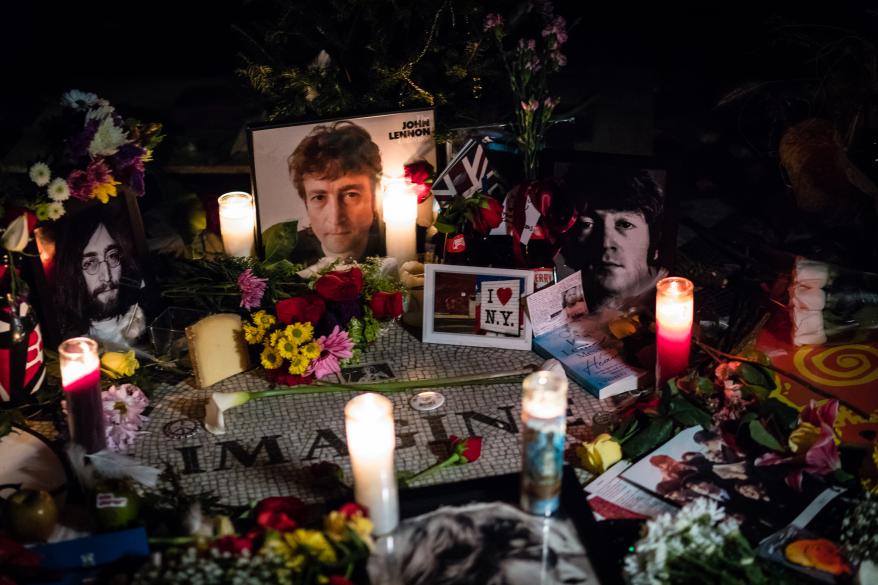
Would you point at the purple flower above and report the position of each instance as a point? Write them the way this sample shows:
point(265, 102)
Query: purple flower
point(123, 415)
point(493, 21)
point(533, 64)
point(558, 58)
point(81, 185)
point(78, 145)
point(339, 314)
point(128, 163)
point(530, 106)
point(334, 346)
point(252, 289)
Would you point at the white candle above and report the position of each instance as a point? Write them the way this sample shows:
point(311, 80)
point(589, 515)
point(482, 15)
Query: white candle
point(371, 443)
point(674, 305)
point(544, 417)
point(400, 220)
point(238, 223)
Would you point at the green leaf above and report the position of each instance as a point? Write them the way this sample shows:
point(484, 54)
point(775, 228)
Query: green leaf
point(280, 241)
point(687, 414)
point(705, 386)
point(755, 375)
point(760, 392)
point(445, 228)
point(760, 434)
point(658, 431)
point(842, 476)
point(786, 417)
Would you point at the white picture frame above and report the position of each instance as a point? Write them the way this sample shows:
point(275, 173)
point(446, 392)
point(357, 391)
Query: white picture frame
point(458, 325)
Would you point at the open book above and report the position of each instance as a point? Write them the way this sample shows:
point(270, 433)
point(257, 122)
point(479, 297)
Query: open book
point(563, 330)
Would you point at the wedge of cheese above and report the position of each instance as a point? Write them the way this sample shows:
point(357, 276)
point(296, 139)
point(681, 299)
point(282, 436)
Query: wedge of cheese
point(217, 348)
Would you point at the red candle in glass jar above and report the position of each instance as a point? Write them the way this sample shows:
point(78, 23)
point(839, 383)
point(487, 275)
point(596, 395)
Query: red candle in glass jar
point(81, 381)
point(674, 308)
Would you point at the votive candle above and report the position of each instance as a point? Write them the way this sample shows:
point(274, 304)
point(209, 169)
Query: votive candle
point(238, 224)
point(544, 418)
point(371, 444)
point(674, 308)
point(400, 220)
point(81, 381)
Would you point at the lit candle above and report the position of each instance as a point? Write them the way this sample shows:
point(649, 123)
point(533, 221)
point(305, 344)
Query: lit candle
point(81, 381)
point(371, 443)
point(400, 219)
point(674, 305)
point(238, 223)
point(544, 417)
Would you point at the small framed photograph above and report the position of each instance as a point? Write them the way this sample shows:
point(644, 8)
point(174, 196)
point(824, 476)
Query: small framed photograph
point(93, 274)
point(330, 176)
point(471, 305)
point(625, 232)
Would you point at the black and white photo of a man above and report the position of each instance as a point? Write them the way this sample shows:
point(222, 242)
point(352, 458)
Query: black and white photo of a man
point(98, 286)
point(617, 237)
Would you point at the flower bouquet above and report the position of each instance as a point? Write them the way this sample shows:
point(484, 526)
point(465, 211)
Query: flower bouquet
point(97, 153)
point(828, 303)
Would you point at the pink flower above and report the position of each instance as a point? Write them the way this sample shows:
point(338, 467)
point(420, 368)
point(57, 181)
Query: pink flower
point(252, 288)
point(493, 21)
point(334, 346)
point(817, 452)
point(123, 415)
point(81, 185)
point(558, 28)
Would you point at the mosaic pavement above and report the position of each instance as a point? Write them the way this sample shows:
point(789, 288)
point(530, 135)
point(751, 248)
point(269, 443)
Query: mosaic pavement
point(271, 442)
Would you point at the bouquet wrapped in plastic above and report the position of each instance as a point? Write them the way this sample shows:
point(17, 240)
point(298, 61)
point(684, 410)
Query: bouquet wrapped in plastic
point(829, 304)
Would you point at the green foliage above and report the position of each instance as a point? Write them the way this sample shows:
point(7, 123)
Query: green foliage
point(659, 430)
point(280, 241)
point(760, 434)
point(460, 210)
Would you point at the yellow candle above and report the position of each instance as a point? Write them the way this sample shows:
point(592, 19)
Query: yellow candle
point(371, 443)
point(674, 308)
point(400, 220)
point(238, 223)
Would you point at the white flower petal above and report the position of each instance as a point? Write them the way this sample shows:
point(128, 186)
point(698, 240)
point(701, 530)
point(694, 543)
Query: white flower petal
point(214, 419)
point(40, 174)
point(15, 237)
point(59, 190)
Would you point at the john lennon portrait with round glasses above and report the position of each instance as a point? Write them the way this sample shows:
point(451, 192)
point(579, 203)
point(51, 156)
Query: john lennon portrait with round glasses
point(98, 284)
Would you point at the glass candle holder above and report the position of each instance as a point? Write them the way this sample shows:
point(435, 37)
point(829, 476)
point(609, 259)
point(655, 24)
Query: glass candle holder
point(400, 220)
point(674, 309)
point(371, 444)
point(237, 223)
point(81, 381)
point(544, 418)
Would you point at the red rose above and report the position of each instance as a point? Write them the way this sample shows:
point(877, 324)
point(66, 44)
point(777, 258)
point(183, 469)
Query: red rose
point(488, 217)
point(284, 378)
point(339, 580)
point(300, 309)
point(278, 513)
point(352, 509)
point(386, 305)
point(233, 544)
point(469, 448)
point(420, 174)
point(341, 285)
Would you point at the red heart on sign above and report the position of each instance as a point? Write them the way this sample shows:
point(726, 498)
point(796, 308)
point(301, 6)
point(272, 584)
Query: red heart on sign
point(504, 294)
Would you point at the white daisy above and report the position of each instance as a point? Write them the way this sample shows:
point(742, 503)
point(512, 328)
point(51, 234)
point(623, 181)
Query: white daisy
point(108, 139)
point(54, 210)
point(100, 111)
point(40, 174)
point(79, 100)
point(58, 190)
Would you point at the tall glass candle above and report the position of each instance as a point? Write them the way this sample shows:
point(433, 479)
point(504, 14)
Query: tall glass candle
point(81, 381)
point(371, 443)
point(400, 220)
point(674, 307)
point(238, 223)
point(544, 418)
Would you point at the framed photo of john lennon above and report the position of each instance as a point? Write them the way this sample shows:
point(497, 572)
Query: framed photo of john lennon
point(624, 237)
point(330, 176)
point(466, 305)
point(93, 276)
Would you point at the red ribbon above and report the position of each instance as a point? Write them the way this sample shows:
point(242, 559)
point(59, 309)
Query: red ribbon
point(553, 223)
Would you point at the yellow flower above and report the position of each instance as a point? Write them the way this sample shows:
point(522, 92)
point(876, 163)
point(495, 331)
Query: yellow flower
point(598, 455)
point(335, 525)
point(285, 547)
point(803, 437)
point(275, 337)
point(263, 319)
point(300, 333)
point(311, 350)
point(270, 358)
point(286, 348)
point(253, 334)
point(103, 191)
point(298, 364)
point(362, 527)
point(117, 365)
point(316, 544)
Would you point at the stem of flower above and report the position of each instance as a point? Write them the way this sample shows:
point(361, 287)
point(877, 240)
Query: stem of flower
point(715, 354)
point(433, 468)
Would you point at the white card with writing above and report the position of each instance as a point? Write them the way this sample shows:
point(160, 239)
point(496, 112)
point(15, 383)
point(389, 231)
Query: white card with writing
point(499, 310)
point(531, 217)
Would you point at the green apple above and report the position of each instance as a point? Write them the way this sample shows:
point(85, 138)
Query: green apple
point(31, 515)
point(117, 505)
